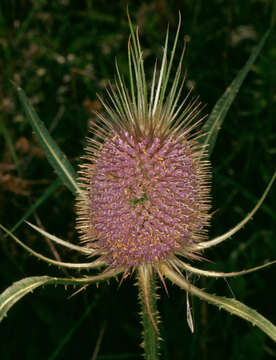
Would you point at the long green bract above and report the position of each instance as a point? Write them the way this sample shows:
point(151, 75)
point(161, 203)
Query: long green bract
point(22, 287)
point(231, 305)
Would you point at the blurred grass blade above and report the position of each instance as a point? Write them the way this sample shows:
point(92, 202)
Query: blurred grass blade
point(22, 287)
point(9, 142)
point(58, 351)
point(273, 14)
point(55, 156)
point(215, 119)
point(233, 306)
point(49, 191)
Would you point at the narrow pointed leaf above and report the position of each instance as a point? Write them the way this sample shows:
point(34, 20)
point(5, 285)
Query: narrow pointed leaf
point(233, 306)
point(220, 110)
point(59, 241)
point(55, 156)
point(216, 274)
point(93, 264)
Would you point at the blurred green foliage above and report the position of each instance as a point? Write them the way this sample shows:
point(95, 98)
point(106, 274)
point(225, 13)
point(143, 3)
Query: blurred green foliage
point(62, 53)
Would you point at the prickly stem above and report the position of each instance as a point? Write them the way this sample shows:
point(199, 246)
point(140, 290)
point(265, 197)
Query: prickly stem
point(149, 313)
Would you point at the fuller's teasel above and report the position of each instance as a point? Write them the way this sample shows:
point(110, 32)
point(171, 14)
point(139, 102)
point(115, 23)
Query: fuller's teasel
point(143, 194)
point(145, 179)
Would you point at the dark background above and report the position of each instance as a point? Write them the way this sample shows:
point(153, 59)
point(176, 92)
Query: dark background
point(62, 53)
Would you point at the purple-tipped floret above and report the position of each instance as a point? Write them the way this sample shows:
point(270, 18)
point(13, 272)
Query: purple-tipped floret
point(146, 199)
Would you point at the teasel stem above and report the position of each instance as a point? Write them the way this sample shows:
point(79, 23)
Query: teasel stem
point(148, 299)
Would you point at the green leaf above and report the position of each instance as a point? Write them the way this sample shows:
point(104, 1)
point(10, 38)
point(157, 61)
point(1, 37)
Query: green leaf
point(55, 156)
point(233, 306)
point(214, 122)
point(22, 287)
point(17, 290)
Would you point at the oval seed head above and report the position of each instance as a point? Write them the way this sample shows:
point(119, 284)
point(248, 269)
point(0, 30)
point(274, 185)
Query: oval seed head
point(145, 196)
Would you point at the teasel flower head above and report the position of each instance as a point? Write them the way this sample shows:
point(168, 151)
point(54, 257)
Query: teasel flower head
point(144, 179)
point(144, 193)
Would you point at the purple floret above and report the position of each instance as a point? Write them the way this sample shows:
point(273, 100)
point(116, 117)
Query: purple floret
point(145, 199)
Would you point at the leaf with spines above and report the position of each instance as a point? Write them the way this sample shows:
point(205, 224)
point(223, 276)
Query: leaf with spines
point(55, 156)
point(233, 306)
point(17, 290)
point(23, 287)
point(217, 274)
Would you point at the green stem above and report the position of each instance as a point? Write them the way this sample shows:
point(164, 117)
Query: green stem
point(148, 298)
